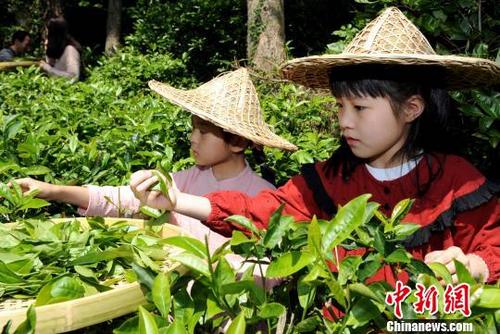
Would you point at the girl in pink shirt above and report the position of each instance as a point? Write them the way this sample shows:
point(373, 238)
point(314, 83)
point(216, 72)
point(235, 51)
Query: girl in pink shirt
point(226, 121)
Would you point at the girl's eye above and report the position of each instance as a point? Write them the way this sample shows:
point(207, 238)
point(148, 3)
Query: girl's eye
point(359, 108)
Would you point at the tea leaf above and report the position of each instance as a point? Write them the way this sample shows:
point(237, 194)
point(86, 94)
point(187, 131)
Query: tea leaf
point(271, 310)
point(348, 218)
point(193, 262)
point(289, 263)
point(463, 274)
point(399, 256)
point(28, 326)
point(147, 323)
point(161, 293)
point(245, 222)
point(441, 271)
point(400, 210)
point(238, 325)
point(489, 298)
point(278, 226)
point(191, 245)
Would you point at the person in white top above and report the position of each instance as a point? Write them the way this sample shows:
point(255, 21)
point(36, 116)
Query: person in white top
point(63, 51)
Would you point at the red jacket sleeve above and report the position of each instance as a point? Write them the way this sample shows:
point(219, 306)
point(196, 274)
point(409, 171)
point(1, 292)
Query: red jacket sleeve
point(477, 219)
point(295, 194)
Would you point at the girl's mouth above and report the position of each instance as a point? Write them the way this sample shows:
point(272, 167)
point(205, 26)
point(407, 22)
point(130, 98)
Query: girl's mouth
point(351, 141)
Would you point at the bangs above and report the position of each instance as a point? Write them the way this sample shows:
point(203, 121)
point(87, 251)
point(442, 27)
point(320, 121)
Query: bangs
point(360, 88)
point(382, 80)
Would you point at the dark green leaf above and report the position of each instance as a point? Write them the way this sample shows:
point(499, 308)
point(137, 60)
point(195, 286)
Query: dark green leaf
point(348, 268)
point(277, 227)
point(306, 293)
point(402, 231)
point(362, 312)
point(144, 276)
point(399, 256)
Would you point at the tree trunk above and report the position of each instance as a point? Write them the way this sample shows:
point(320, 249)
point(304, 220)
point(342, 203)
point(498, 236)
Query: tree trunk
point(113, 26)
point(266, 34)
point(53, 8)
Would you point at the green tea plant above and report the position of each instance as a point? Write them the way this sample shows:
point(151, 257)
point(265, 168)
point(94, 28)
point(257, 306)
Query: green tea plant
point(301, 256)
point(13, 203)
point(37, 256)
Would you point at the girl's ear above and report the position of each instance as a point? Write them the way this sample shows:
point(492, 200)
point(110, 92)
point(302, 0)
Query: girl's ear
point(414, 107)
point(238, 144)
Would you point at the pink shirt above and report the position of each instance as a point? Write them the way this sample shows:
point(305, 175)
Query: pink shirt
point(195, 181)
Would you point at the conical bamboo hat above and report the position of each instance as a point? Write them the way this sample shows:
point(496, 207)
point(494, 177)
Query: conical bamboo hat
point(229, 101)
point(392, 39)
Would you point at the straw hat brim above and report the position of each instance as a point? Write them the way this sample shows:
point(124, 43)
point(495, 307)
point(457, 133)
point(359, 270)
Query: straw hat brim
point(461, 72)
point(261, 135)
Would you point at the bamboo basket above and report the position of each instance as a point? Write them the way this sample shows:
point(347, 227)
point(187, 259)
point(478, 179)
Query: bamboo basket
point(74, 314)
point(7, 65)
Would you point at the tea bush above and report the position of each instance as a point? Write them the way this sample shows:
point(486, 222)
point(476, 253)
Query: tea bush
point(101, 130)
point(207, 34)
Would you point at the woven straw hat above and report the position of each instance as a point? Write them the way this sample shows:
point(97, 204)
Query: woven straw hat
point(393, 40)
point(230, 102)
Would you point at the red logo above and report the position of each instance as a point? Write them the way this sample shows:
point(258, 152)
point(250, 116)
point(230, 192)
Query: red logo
point(455, 299)
point(397, 297)
point(427, 299)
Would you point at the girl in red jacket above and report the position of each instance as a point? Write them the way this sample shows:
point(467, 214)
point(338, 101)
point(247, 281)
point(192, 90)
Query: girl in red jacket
point(391, 90)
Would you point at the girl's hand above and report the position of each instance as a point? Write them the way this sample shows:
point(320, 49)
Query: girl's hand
point(141, 183)
point(474, 263)
point(44, 66)
point(47, 190)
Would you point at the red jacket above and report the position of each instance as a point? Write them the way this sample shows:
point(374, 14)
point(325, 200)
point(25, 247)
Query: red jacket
point(459, 209)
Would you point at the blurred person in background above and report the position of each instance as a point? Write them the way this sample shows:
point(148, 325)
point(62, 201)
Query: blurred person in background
point(19, 44)
point(63, 51)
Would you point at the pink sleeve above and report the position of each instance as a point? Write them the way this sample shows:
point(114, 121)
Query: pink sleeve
point(110, 202)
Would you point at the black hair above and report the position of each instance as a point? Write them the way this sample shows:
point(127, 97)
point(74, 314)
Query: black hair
point(19, 35)
point(427, 134)
point(58, 38)
point(266, 171)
